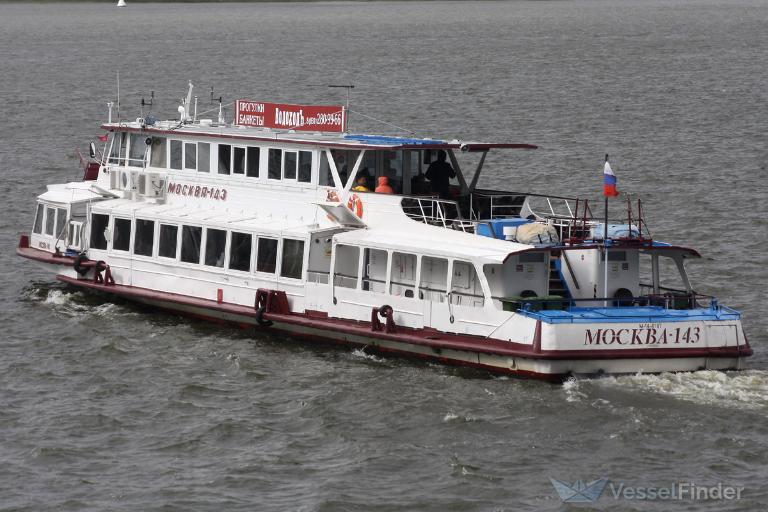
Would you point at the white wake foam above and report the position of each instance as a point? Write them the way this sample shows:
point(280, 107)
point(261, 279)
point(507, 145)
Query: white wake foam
point(744, 389)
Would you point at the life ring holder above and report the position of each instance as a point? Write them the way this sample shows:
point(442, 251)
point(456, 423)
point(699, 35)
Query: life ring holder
point(355, 204)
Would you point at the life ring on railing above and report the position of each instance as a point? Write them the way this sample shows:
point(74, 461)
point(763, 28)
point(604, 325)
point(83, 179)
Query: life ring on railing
point(356, 205)
point(78, 265)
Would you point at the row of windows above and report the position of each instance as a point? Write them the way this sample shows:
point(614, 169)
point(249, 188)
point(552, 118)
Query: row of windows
point(195, 244)
point(371, 275)
point(49, 220)
point(196, 156)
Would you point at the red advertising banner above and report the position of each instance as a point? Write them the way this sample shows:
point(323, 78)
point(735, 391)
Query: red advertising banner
point(311, 118)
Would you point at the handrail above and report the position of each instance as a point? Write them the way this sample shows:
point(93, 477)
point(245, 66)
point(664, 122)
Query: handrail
point(570, 269)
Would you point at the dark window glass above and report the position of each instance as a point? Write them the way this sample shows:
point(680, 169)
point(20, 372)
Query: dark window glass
point(293, 258)
point(176, 154)
point(190, 155)
point(190, 244)
point(215, 242)
point(267, 255)
point(238, 162)
point(137, 149)
point(159, 150)
point(49, 219)
point(168, 238)
point(325, 178)
point(203, 157)
point(290, 165)
point(99, 225)
point(144, 238)
point(305, 166)
point(225, 158)
point(240, 252)
point(39, 220)
point(115, 152)
point(275, 158)
point(121, 238)
point(61, 219)
point(252, 169)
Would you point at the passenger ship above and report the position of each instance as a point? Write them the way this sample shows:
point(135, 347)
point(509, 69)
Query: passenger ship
point(271, 222)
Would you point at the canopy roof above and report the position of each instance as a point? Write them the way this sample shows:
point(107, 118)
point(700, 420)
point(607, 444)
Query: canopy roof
point(329, 140)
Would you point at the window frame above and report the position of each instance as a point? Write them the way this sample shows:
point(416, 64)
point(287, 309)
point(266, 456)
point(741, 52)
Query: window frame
point(177, 254)
point(135, 237)
point(230, 246)
point(113, 223)
point(281, 259)
point(278, 252)
point(184, 156)
point(204, 249)
point(201, 248)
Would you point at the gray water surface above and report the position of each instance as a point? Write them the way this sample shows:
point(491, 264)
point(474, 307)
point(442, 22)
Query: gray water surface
point(104, 406)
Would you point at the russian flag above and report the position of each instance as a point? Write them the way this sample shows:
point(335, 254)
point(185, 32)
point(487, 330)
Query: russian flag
point(609, 180)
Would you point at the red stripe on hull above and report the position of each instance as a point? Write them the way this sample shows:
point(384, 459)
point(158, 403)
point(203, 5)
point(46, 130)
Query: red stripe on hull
point(422, 337)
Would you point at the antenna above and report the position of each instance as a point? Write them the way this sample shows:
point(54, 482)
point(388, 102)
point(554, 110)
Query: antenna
point(118, 94)
point(221, 111)
point(149, 103)
point(348, 87)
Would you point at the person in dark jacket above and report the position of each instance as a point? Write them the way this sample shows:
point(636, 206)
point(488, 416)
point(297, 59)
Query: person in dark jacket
point(439, 173)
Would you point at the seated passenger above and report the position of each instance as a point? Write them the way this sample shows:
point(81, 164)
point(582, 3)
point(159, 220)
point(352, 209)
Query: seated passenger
point(362, 184)
point(384, 187)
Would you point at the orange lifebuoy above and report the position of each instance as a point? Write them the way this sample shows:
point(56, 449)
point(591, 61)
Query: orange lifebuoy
point(356, 205)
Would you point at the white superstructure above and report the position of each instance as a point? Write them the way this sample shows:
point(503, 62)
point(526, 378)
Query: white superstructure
point(274, 227)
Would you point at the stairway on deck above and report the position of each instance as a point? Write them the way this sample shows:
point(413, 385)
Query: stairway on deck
point(556, 284)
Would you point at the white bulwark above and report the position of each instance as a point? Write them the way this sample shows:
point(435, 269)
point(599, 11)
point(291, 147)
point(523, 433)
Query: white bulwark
point(374, 241)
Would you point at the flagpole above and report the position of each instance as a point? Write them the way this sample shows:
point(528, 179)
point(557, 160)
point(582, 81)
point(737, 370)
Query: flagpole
point(605, 247)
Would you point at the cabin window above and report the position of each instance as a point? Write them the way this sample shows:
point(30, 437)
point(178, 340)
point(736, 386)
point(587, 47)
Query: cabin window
point(292, 262)
point(215, 243)
point(49, 220)
point(240, 252)
point(305, 166)
point(176, 150)
point(403, 275)
point(99, 225)
point(252, 162)
point(115, 152)
point(266, 257)
point(137, 150)
point(392, 168)
point(143, 240)
point(345, 162)
point(238, 160)
point(375, 270)
point(325, 177)
point(275, 160)
point(203, 157)
point(465, 286)
point(121, 237)
point(38, 228)
point(433, 284)
point(190, 244)
point(531, 257)
point(346, 266)
point(614, 256)
point(61, 219)
point(168, 241)
point(225, 158)
point(158, 157)
point(289, 165)
point(190, 156)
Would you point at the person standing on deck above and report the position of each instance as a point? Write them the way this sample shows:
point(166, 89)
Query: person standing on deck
point(439, 173)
